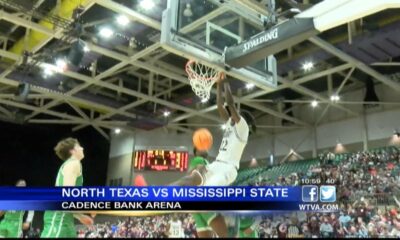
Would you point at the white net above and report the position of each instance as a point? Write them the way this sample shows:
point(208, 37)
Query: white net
point(201, 78)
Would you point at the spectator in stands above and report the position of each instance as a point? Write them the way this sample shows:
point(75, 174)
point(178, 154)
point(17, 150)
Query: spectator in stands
point(326, 229)
point(282, 230)
point(396, 227)
point(293, 231)
point(314, 226)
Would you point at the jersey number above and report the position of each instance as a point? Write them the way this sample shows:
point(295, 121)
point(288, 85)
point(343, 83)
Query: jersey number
point(224, 144)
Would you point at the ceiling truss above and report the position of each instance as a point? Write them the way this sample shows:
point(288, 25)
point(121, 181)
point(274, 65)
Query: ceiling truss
point(170, 79)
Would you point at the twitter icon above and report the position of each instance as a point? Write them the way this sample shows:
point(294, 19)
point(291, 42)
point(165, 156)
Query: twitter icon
point(327, 194)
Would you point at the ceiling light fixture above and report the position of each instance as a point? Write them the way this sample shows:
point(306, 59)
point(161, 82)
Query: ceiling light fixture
point(166, 113)
point(61, 64)
point(86, 49)
point(122, 20)
point(314, 103)
point(106, 32)
point(249, 86)
point(308, 66)
point(335, 98)
point(147, 4)
point(47, 72)
point(188, 11)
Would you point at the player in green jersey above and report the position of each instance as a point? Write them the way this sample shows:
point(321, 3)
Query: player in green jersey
point(59, 224)
point(248, 226)
point(13, 224)
point(206, 222)
point(243, 225)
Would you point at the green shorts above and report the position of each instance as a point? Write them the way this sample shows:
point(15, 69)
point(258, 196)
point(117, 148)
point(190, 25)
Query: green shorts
point(203, 221)
point(58, 225)
point(10, 229)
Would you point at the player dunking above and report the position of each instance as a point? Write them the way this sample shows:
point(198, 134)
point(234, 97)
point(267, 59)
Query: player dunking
point(223, 171)
point(59, 224)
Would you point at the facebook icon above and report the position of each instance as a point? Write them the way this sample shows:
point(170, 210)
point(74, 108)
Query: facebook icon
point(310, 193)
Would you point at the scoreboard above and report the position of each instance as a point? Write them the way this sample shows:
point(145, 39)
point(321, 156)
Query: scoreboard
point(161, 160)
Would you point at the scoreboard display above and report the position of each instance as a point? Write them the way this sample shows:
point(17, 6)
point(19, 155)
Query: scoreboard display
point(161, 160)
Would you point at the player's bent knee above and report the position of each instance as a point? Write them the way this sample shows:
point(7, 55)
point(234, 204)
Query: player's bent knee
point(198, 178)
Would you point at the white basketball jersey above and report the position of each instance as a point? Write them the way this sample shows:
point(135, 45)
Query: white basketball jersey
point(233, 142)
point(175, 229)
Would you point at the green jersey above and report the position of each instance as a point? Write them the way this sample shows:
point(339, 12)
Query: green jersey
point(11, 226)
point(196, 161)
point(61, 224)
point(14, 216)
point(60, 176)
point(246, 222)
point(202, 219)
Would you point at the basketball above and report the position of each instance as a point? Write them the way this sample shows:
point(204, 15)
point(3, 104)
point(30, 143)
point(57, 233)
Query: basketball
point(202, 139)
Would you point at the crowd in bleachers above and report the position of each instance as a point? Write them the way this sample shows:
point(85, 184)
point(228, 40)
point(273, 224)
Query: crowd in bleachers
point(368, 183)
point(360, 220)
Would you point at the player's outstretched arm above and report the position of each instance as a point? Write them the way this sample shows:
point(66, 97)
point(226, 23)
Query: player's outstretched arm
point(28, 221)
point(84, 219)
point(220, 101)
point(231, 104)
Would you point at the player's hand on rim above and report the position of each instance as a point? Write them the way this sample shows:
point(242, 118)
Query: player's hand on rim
point(222, 77)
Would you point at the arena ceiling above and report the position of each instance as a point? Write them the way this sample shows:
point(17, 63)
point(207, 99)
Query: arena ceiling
point(130, 82)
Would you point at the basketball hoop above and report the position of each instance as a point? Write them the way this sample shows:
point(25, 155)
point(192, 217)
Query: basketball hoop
point(201, 78)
